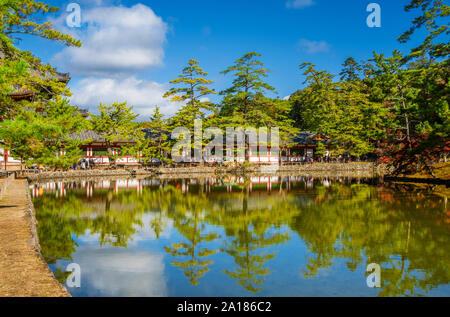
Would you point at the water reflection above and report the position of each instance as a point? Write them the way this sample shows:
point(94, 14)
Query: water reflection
point(269, 236)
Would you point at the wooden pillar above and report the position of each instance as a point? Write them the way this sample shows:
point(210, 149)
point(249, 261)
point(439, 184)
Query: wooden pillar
point(6, 158)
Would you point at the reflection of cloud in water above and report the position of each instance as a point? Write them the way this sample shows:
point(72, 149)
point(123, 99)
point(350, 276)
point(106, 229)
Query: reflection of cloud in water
point(120, 272)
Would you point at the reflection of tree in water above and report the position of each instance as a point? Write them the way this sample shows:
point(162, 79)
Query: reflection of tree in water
point(113, 216)
point(405, 233)
point(55, 232)
point(248, 233)
point(57, 220)
point(120, 219)
point(188, 216)
point(157, 223)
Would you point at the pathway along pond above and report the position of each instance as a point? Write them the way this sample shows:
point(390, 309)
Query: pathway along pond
point(245, 237)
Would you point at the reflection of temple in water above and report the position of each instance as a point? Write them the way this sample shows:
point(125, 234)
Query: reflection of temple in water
point(204, 185)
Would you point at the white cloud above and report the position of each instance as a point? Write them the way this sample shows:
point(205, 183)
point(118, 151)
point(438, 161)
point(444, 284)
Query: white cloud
point(298, 4)
point(143, 95)
point(93, 2)
point(312, 47)
point(287, 97)
point(116, 41)
point(121, 272)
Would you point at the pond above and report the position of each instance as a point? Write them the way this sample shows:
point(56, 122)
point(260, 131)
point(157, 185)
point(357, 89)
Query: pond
point(256, 236)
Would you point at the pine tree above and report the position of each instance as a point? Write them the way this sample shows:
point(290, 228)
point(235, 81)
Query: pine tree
point(248, 84)
point(114, 123)
point(193, 92)
point(45, 139)
point(341, 112)
point(157, 143)
point(20, 69)
point(434, 20)
point(350, 70)
point(245, 105)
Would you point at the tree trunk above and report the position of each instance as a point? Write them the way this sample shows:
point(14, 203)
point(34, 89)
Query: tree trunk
point(408, 133)
point(247, 148)
point(110, 154)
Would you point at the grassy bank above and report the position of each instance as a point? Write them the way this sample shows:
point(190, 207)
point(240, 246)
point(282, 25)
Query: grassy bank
point(441, 170)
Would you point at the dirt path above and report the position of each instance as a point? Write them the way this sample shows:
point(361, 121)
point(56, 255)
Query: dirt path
point(22, 272)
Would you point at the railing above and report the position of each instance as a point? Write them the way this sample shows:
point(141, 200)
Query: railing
point(104, 160)
point(4, 182)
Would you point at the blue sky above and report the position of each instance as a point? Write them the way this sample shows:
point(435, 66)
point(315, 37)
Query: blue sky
point(132, 49)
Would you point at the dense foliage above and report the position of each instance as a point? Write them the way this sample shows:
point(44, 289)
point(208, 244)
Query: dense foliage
point(392, 108)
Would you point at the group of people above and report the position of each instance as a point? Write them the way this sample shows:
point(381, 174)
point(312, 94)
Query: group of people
point(84, 164)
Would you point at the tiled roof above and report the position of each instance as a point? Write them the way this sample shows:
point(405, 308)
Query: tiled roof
point(153, 135)
point(87, 135)
point(305, 137)
point(90, 135)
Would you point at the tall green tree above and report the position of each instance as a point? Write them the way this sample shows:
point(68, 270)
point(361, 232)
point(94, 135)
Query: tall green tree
point(20, 70)
point(160, 144)
point(23, 138)
point(62, 150)
point(428, 73)
point(193, 91)
point(245, 104)
point(114, 123)
point(350, 70)
point(151, 140)
point(45, 139)
point(248, 84)
point(395, 84)
point(341, 111)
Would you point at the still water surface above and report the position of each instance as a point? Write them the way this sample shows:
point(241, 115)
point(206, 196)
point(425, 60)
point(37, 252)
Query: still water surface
point(277, 236)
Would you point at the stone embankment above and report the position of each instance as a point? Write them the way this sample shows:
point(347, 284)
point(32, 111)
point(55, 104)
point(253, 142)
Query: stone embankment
point(316, 169)
point(23, 271)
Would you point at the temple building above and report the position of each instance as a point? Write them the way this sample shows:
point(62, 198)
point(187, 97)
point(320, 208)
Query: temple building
point(303, 149)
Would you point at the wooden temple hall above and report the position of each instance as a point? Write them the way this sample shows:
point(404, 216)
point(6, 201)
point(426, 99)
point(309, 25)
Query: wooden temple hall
point(304, 147)
point(96, 152)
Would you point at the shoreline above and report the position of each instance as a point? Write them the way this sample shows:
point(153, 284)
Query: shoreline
point(416, 180)
point(35, 237)
point(353, 169)
point(356, 169)
point(23, 270)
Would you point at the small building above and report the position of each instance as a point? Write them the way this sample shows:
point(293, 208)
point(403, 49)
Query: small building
point(96, 149)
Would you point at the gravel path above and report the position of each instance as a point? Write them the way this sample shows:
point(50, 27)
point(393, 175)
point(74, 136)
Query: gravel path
point(22, 272)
